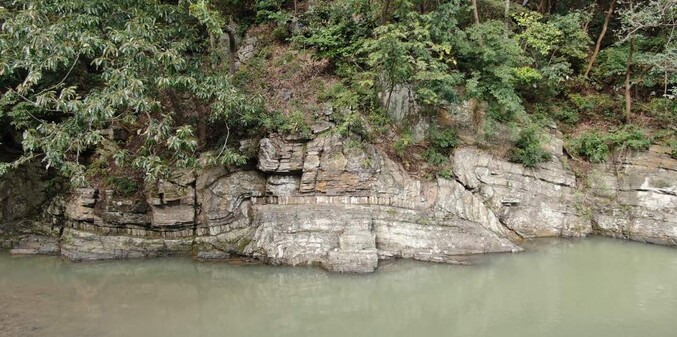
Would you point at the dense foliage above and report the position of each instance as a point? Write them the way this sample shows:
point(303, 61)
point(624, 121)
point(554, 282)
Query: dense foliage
point(74, 70)
point(148, 86)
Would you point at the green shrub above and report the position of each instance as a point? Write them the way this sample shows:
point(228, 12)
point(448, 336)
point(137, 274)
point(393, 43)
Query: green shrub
point(592, 146)
point(332, 93)
point(281, 33)
point(294, 123)
point(434, 157)
point(565, 115)
point(379, 121)
point(663, 109)
point(402, 143)
point(595, 146)
point(123, 185)
point(545, 113)
point(596, 105)
point(444, 139)
point(349, 122)
point(271, 11)
point(673, 149)
point(354, 144)
point(446, 174)
point(528, 150)
point(629, 137)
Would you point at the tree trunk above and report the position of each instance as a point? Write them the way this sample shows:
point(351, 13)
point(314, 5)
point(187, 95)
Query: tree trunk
point(384, 11)
point(598, 45)
point(475, 12)
point(202, 118)
point(665, 73)
point(628, 83)
point(543, 6)
point(507, 9)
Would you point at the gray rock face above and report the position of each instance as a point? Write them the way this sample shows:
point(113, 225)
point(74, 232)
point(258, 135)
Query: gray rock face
point(277, 155)
point(532, 202)
point(28, 205)
point(400, 101)
point(282, 185)
point(354, 206)
point(247, 50)
point(101, 225)
point(346, 207)
point(636, 199)
point(338, 233)
point(225, 220)
point(173, 201)
point(93, 244)
point(22, 193)
point(37, 245)
point(331, 168)
point(317, 203)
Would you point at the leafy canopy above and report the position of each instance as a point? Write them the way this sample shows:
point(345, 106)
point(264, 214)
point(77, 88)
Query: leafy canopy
point(72, 69)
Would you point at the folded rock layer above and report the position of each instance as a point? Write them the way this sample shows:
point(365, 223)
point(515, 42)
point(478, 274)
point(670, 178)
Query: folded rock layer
point(320, 202)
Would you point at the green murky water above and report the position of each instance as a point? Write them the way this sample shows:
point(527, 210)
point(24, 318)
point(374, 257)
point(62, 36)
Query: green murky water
point(592, 287)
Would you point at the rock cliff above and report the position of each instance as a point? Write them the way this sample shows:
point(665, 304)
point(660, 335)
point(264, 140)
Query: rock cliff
point(636, 199)
point(345, 207)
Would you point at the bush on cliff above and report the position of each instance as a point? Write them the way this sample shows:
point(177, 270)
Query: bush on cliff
point(528, 150)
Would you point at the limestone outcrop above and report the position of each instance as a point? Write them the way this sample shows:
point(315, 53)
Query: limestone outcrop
point(225, 219)
point(346, 206)
point(29, 207)
point(636, 198)
point(539, 202)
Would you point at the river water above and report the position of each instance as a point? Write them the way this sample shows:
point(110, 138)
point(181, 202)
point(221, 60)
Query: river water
point(592, 287)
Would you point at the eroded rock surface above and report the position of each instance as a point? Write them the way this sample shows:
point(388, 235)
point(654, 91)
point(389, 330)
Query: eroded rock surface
point(636, 198)
point(102, 225)
point(225, 224)
point(350, 195)
point(28, 205)
point(346, 206)
point(538, 202)
point(37, 245)
point(276, 155)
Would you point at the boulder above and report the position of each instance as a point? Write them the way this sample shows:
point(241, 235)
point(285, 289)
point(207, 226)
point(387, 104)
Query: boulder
point(279, 155)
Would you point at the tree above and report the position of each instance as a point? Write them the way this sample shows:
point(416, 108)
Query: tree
point(642, 17)
point(71, 69)
point(404, 53)
point(491, 57)
point(598, 44)
point(218, 31)
point(638, 20)
point(628, 77)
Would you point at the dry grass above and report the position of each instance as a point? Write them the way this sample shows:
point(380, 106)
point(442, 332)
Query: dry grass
point(290, 80)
